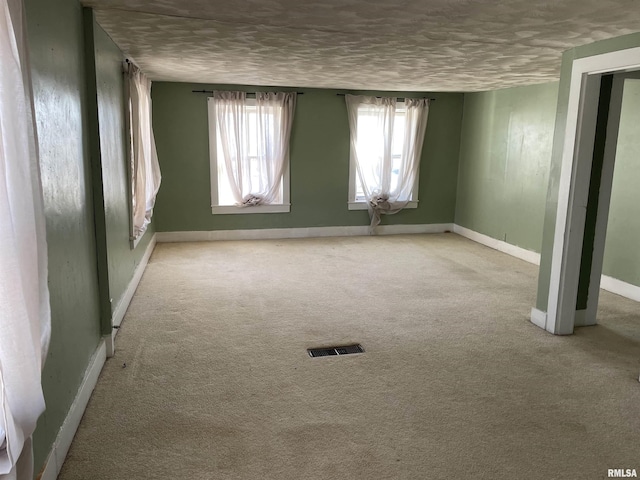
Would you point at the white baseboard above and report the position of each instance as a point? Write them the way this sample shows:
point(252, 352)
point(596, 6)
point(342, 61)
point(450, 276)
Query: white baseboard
point(582, 319)
point(619, 287)
point(123, 305)
point(65, 436)
point(110, 345)
point(121, 309)
point(308, 232)
point(518, 252)
point(539, 318)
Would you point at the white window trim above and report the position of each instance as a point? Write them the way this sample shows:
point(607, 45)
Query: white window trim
point(361, 203)
point(284, 207)
point(133, 240)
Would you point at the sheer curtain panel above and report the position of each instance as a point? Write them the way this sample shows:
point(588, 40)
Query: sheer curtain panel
point(387, 182)
point(254, 176)
point(145, 170)
point(25, 317)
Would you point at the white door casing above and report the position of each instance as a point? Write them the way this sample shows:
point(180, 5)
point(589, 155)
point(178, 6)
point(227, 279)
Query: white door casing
point(573, 191)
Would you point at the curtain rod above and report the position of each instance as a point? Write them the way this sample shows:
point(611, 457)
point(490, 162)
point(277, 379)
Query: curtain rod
point(401, 99)
point(248, 93)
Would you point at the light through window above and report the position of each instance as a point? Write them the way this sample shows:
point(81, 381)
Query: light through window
point(371, 144)
point(249, 152)
point(256, 155)
point(379, 170)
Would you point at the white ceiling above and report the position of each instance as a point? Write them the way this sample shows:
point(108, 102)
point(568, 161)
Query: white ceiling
point(404, 45)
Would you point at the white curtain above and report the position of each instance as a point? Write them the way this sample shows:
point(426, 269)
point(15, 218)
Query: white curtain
point(145, 170)
point(254, 177)
point(25, 319)
point(387, 185)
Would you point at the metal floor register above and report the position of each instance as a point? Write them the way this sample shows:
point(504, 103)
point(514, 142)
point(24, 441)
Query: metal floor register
point(341, 350)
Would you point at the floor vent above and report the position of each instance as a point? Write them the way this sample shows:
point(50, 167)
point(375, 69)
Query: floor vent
point(341, 350)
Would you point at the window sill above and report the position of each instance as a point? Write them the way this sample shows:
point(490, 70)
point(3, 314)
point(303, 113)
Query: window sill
point(363, 205)
point(232, 209)
point(134, 241)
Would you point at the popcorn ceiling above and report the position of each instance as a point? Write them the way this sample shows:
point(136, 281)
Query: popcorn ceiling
point(415, 45)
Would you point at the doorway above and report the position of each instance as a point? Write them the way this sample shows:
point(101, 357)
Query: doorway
point(615, 112)
point(593, 119)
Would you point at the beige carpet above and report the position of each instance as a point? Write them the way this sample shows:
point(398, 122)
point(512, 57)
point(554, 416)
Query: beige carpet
point(456, 383)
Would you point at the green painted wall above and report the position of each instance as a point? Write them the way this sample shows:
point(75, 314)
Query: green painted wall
point(71, 81)
point(504, 184)
point(504, 162)
point(622, 255)
point(93, 133)
point(57, 59)
point(597, 48)
point(122, 259)
point(319, 155)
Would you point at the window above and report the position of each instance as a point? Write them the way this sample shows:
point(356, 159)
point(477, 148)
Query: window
point(386, 144)
point(369, 142)
point(144, 168)
point(249, 152)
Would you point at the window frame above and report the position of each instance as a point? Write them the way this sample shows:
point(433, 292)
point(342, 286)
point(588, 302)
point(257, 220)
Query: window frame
point(128, 112)
point(216, 208)
point(360, 203)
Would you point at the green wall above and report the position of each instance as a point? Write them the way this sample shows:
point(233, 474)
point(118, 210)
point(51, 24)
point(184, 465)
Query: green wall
point(58, 68)
point(505, 165)
point(78, 97)
point(319, 155)
point(622, 255)
point(597, 48)
point(504, 162)
point(122, 260)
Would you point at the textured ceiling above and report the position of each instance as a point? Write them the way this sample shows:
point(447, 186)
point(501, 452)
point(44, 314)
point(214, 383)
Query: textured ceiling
point(419, 45)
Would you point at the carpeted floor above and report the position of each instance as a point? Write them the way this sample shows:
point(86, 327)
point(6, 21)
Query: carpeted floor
point(456, 383)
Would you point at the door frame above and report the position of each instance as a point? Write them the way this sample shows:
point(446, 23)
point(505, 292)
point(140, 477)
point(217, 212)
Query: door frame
point(575, 173)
